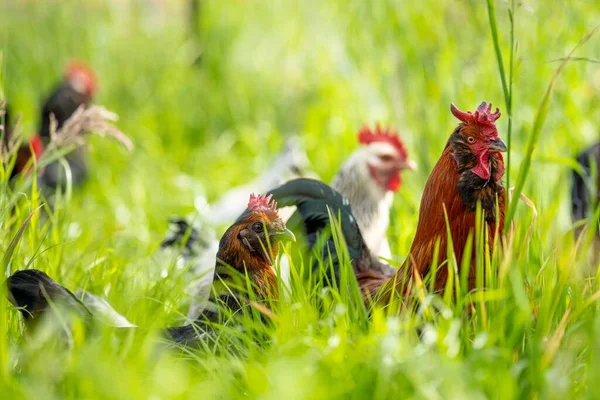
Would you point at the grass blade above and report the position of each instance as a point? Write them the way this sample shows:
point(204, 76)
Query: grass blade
point(16, 239)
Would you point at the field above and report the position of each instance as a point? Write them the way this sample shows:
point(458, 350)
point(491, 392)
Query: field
point(208, 105)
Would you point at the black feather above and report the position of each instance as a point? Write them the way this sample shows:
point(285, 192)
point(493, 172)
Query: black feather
point(62, 103)
point(32, 291)
point(581, 196)
point(315, 201)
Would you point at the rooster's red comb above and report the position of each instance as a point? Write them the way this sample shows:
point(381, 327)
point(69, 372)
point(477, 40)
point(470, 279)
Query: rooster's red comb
point(367, 136)
point(266, 203)
point(82, 76)
point(483, 116)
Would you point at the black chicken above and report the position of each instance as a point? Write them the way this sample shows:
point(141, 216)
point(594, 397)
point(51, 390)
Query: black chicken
point(76, 89)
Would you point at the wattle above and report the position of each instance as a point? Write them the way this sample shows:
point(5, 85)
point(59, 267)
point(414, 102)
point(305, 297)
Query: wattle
point(393, 183)
point(482, 169)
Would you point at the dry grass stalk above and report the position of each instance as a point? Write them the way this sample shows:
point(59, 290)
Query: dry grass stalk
point(95, 120)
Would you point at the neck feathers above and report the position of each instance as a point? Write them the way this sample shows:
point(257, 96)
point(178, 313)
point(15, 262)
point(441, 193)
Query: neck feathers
point(451, 191)
point(232, 253)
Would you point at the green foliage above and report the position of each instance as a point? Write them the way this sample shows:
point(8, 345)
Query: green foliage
point(208, 111)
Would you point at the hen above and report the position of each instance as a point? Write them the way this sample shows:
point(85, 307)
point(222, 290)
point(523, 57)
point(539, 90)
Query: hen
point(369, 178)
point(247, 249)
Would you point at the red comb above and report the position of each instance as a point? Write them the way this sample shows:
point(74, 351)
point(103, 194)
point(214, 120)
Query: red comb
point(78, 71)
point(261, 201)
point(483, 116)
point(367, 136)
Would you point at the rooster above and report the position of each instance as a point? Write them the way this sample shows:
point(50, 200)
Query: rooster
point(469, 172)
point(247, 249)
point(369, 179)
point(76, 90)
point(582, 189)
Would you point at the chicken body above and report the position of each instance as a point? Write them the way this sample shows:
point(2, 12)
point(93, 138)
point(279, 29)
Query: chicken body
point(369, 179)
point(371, 204)
point(77, 89)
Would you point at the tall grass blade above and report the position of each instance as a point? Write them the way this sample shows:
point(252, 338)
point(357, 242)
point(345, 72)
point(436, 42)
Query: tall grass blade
point(12, 246)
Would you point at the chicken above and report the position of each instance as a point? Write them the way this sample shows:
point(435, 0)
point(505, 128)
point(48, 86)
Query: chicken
point(247, 249)
point(583, 198)
point(77, 89)
point(469, 171)
point(369, 179)
point(200, 248)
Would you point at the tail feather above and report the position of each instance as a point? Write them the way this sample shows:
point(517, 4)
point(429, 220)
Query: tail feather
point(315, 202)
point(33, 291)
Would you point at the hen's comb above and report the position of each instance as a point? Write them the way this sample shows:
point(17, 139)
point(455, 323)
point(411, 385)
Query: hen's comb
point(80, 74)
point(483, 116)
point(264, 202)
point(367, 136)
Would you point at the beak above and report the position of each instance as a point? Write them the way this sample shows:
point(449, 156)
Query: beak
point(409, 164)
point(497, 146)
point(284, 235)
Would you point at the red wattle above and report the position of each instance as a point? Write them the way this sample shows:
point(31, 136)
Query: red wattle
point(37, 145)
point(393, 183)
point(482, 169)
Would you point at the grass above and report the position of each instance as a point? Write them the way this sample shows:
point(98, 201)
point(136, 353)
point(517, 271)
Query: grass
point(208, 111)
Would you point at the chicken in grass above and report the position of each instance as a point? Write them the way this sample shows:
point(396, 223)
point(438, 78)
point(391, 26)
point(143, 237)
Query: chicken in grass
point(585, 193)
point(469, 172)
point(198, 242)
point(246, 250)
point(77, 89)
point(369, 178)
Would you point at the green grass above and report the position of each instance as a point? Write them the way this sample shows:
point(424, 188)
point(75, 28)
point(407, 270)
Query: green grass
point(208, 111)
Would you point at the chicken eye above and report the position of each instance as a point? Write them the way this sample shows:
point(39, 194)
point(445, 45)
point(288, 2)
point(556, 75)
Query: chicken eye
point(386, 158)
point(471, 139)
point(257, 227)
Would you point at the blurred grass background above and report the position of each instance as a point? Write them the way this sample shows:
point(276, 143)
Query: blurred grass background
point(209, 105)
